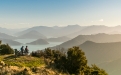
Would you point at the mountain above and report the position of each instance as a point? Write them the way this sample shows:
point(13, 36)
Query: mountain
point(106, 55)
point(11, 31)
point(55, 31)
point(101, 52)
point(6, 36)
point(39, 42)
point(99, 38)
point(59, 39)
point(47, 31)
point(64, 31)
point(10, 42)
point(112, 67)
point(115, 32)
point(95, 29)
point(32, 35)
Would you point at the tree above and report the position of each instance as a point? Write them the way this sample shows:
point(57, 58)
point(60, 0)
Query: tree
point(73, 62)
point(76, 60)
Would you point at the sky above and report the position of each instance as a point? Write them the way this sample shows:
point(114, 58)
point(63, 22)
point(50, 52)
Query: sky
point(29, 13)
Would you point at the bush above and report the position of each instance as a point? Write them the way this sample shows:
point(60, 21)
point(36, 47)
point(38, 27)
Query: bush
point(37, 53)
point(6, 49)
point(73, 62)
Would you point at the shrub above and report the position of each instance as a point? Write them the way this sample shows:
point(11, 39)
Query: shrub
point(6, 49)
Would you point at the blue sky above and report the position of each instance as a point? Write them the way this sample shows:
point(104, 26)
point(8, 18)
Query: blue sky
point(29, 13)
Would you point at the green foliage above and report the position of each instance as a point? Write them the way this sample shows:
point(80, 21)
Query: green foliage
point(37, 53)
point(6, 49)
point(73, 61)
point(94, 70)
point(76, 60)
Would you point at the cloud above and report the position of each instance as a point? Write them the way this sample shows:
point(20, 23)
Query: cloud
point(101, 20)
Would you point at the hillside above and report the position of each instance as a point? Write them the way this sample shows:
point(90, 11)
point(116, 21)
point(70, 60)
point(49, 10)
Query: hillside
point(10, 42)
point(112, 67)
point(32, 35)
point(99, 38)
point(24, 65)
point(101, 52)
point(58, 39)
point(6, 36)
point(39, 42)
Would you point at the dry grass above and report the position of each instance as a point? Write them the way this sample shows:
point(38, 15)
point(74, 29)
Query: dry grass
point(25, 65)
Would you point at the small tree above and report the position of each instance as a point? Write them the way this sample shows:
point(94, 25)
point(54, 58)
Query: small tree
point(76, 60)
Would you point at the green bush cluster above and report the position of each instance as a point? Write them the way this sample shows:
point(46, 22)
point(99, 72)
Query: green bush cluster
point(37, 53)
point(6, 49)
point(73, 61)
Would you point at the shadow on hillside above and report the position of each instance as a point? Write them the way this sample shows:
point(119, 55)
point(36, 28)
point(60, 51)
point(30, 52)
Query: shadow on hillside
point(9, 57)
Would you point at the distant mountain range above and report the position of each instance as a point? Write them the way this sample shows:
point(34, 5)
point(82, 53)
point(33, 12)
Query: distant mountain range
point(6, 36)
point(54, 31)
point(58, 39)
point(10, 42)
point(39, 42)
point(99, 38)
point(72, 30)
point(69, 31)
point(11, 31)
point(47, 31)
point(32, 35)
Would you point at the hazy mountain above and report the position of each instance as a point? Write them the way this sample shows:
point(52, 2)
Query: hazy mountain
point(54, 31)
point(11, 31)
point(4, 30)
point(10, 42)
point(32, 35)
point(6, 36)
point(106, 55)
point(95, 29)
point(39, 42)
point(47, 31)
point(99, 38)
point(101, 52)
point(115, 32)
point(91, 30)
point(59, 39)
point(112, 67)
point(64, 31)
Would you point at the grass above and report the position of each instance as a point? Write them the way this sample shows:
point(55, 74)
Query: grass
point(33, 66)
point(22, 61)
